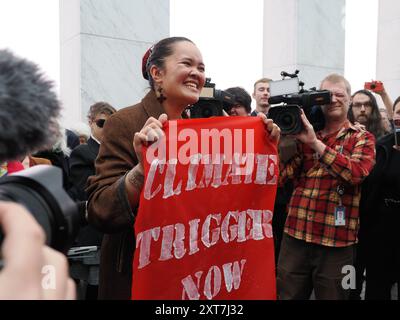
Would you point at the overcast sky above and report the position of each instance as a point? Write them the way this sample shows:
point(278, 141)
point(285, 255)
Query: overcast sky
point(31, 29)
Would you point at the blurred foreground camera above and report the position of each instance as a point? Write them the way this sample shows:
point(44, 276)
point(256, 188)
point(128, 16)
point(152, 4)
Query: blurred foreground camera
point(39, 189)
point(291, 93)
point(211, 102)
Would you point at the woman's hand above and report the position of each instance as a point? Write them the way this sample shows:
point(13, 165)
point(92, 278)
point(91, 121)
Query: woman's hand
point(151, 132)
point(272, 128)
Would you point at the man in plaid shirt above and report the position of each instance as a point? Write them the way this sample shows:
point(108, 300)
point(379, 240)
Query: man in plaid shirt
point(323, 217)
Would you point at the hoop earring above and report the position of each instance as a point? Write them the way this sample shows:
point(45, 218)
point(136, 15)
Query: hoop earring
point(160, 95)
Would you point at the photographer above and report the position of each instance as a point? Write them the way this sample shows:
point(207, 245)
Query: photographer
point(380, 205)
point(323, 217)
point(27, 95)
point(242, 106)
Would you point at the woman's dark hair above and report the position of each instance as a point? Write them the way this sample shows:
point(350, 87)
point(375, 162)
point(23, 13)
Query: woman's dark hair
point(157, 55)
point(242, 97)
point(374, 122)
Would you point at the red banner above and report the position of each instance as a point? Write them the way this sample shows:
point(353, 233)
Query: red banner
point(203, 228)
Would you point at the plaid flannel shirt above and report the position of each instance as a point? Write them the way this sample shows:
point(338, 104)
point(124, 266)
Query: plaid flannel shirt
point(348, 158)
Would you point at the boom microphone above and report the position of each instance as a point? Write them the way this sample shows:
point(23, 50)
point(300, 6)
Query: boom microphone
point(28, 108)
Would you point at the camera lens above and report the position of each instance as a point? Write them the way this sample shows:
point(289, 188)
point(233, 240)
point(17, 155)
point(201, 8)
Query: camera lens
point(286, 121)
point(206, 108)
point(287, 118)
point(207, 112)
point(39, 189)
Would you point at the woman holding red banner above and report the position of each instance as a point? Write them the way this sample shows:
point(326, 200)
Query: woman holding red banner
point(175, 70)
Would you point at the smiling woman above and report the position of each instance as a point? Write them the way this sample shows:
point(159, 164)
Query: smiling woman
point(175, 70)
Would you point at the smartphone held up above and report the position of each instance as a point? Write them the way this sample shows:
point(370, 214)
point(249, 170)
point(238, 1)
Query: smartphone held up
point(374, 86)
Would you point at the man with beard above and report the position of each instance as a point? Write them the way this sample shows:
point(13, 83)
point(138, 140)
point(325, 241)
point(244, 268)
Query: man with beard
point(364, 110)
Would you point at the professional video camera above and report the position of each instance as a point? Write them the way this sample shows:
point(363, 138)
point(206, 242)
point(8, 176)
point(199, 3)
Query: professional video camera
point(291, 92)
point(212, 101)
point(29, 109)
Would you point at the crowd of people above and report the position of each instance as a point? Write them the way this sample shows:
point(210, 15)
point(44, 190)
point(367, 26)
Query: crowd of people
point(338, 196)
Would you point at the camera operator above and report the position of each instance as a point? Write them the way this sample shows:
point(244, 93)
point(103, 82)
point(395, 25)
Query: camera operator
point(25, 93)
point(261, 95)
point(242, 106)
point(323, 217)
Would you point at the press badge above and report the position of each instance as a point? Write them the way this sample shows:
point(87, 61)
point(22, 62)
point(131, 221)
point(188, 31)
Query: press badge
point(340, 216)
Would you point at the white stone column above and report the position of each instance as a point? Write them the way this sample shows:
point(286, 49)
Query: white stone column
point(102, 44)
point(307, 35)
point(388, 61)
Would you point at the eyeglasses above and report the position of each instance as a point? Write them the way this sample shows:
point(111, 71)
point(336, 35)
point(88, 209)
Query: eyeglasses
point(358, 105)
point(100, 123)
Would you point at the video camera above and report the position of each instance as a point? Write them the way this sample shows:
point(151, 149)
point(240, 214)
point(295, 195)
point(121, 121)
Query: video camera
point(291, 92)
point(211, 102)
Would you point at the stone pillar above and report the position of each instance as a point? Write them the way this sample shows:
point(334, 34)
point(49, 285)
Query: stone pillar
point(102, 44)
point(388, 62)
point(307, 35)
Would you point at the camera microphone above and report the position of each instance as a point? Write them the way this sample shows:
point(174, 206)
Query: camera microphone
point(284, 74)
point(29, 104)
point(290, 75)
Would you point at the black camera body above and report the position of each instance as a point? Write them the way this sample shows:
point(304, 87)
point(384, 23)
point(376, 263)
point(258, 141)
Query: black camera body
point(288, 116)
point(39, 189)
point(212, 102)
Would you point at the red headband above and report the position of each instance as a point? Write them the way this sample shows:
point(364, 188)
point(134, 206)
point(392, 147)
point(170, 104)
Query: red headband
point(145, 61)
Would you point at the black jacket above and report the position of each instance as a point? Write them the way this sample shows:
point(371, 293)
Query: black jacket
point(81, 162)
point(380, 197)
point(72, 139)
